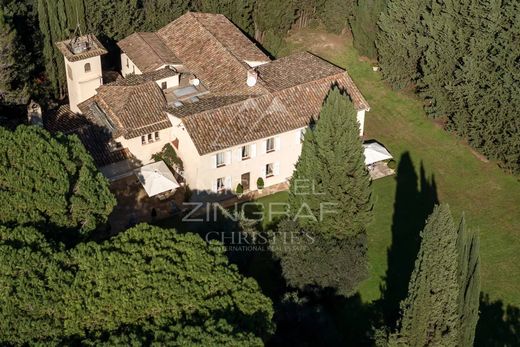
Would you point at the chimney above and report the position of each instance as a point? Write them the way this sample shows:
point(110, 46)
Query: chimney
point(252, 76)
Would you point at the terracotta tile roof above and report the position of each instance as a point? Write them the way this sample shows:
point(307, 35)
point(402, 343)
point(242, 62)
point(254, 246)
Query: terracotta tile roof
point(155, 75)
point(94, 137)
point(134, 110)
point(301, 68)
point(231, 37)
point(96, 48)
point(261, 117)
point(147, 51)
point(218, 64)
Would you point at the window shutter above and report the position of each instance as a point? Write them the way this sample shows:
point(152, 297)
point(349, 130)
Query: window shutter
point(227, 182)
point(298, 135)
point(214, 161)
point(262, 171)
point(277, 143)
point(253, 150)
point(276, 169)
point(262, 148)
point(238, 154)
point(214, 186)
point(227, 157)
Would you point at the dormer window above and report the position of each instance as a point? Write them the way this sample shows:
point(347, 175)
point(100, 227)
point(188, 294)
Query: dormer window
point(87, 67)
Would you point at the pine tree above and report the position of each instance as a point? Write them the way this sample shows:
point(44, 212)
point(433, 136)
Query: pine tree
point(441, 308)
point(332, 161)
point(51, 181)
point(145, 286)
point(400, 41)
point(430, 312)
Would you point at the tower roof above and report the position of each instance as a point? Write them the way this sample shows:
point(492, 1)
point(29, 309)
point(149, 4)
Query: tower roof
point(81, 47)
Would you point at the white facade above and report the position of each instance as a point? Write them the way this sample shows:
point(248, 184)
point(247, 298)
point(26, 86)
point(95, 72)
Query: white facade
point(83, 78)
point(209, 173)
point(128, 67)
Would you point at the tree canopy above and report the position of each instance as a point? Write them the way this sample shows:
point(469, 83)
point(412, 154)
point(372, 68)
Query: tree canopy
point(50, 181)
point(146, 285)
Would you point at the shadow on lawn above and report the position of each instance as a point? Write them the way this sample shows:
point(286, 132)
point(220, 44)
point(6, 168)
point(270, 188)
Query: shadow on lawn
point(498, 326)
point(412, 206)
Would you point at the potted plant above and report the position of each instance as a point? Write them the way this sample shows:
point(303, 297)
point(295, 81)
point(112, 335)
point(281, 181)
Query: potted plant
point(240, 189)
point(260, 184)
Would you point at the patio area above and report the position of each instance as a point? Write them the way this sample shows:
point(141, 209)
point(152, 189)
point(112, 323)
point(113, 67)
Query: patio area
point(135, 206)
point(379, 170)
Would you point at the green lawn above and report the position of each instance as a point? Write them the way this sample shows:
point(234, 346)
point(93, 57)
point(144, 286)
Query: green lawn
point(489, 197)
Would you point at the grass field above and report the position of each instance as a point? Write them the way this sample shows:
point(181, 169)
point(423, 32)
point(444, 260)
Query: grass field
point(453, 173)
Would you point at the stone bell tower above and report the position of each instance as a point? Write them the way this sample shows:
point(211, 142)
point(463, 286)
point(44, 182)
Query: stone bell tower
point(82, 56)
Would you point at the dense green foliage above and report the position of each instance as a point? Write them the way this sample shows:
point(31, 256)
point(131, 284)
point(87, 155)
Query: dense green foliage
point(169, 156)
point(330, 205)
point(311, 260)
point(441, 308)
point(398, 44)
point(464, 57)
point(364, 25)
point(330, 179)
point(12, 83)
point(50, 182)
point(146, 285)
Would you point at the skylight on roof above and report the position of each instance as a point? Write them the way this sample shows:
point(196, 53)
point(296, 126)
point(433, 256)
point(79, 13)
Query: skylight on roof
point(178, 103)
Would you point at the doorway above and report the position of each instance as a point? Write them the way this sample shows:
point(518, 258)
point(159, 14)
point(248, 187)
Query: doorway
point(245, 181)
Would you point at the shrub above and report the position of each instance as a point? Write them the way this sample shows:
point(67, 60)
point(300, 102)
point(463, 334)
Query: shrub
point(169, 156)
point(239, 189)
point(260, 183)
point(392, 164)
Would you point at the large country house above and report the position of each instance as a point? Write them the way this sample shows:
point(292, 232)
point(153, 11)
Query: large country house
point(231, 113)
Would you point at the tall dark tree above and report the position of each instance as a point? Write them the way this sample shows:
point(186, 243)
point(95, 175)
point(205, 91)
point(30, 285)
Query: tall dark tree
point(145, 286)
point(11, 65)
point(400, 41)
point(363, 24)
point(441, 308)
point(430, 312)
point(333, 164)
point(330, 202)
point(239, 12)
point(468, 248)
point(50, 181)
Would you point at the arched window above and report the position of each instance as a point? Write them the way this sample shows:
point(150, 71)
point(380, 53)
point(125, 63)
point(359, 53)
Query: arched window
point(87, 67)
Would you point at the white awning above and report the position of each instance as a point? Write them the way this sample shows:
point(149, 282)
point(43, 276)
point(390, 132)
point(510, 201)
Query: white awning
point(156, 178)
point(375, 152)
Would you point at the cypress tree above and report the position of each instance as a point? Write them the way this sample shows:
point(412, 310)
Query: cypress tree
point(468, 247)
point(364, 25)
point(429, 313)
point(400, 41)
point(7, 59)
point(332, 161)
point(441, 308)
